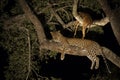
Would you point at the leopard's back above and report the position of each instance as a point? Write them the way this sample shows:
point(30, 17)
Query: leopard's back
point(92, 47)
point(85, 44)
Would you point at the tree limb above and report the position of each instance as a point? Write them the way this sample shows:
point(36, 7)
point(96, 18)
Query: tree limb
point(75, 12)
point(38, 26)
point(54, 46)
point(114, 18)
point(101, 22)
point(74, 50)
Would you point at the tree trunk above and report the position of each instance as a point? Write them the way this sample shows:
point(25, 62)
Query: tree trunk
point(114, 17)
point(38, 25)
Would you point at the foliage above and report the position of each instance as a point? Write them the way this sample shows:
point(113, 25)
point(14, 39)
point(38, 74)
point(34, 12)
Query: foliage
point(13, 42)
point(14, 38)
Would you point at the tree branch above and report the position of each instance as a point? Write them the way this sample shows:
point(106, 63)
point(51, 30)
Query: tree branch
point(114, 18)
point(54, 46)
point(38, 26)
point(56, 15)
point(101, 22)
point(29, 55)
point(74, 50)
point(75, 13)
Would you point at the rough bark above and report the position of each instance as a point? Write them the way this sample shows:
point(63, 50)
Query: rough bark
point(50, 45)
point(38, 25)
point(113, 16)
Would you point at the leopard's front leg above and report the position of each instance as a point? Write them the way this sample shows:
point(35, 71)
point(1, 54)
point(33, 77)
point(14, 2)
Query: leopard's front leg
point(64, 49)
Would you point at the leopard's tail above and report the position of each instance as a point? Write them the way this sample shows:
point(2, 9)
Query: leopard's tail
point(111, 56)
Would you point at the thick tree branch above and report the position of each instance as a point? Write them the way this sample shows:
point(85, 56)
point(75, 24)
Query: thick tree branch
point(101, 22)
point(75, 12)
point(113, 16)
point(74, 50)
point(38, 26)
point(54, 46)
